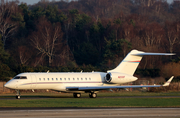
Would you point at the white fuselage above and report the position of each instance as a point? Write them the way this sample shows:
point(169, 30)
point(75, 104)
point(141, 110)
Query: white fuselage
point(59, 81)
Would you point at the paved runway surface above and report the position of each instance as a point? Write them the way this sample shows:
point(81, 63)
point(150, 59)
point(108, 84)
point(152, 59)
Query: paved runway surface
point(93, 113)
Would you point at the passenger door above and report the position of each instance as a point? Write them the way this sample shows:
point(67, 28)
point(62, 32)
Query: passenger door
point(33, 81)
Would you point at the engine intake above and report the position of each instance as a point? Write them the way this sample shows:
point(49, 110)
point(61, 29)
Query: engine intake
point(108, 77)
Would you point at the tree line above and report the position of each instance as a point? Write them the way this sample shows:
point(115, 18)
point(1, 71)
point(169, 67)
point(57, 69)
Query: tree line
point(89, 35)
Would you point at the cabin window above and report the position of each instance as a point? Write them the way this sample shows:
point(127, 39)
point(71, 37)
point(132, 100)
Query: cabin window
point(68, 78)
point(56, 78)
point(39, 79)
point(85, 78)
point(52, 79)
point(81, 78)
point(48, 79)
point(44, 79)
point(20, 77)
point(60, 78)
point(73, 78)
point(64, 78)
point(77, 78)
point(89, 78)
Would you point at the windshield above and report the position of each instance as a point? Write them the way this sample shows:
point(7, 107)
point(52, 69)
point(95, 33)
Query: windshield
point(20, 77)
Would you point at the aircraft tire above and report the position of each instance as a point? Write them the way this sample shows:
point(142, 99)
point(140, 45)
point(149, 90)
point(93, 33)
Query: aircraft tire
point(18, 96)
point(76, 95)
point(92, 95)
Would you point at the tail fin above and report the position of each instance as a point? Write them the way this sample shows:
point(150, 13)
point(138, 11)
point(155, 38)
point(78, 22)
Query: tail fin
point(132, 60)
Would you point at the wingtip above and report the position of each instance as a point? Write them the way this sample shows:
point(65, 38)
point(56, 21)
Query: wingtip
point(169, 81)
point(170, 53)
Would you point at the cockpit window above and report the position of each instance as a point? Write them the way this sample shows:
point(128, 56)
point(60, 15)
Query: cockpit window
point(20, 77)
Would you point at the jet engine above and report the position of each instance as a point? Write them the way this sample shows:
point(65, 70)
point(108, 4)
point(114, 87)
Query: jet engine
point(118, 78)
point(108, 77)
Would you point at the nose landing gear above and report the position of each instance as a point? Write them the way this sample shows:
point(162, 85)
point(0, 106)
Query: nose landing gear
point(18, 94)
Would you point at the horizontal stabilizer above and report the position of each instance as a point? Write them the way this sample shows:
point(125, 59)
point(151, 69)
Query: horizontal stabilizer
point(147, 53)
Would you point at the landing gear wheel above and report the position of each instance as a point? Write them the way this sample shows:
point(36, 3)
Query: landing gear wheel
point(76, 95)
point(92, 95)
point(18, 94)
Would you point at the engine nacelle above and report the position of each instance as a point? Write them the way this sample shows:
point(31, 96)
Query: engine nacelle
point(119, 78)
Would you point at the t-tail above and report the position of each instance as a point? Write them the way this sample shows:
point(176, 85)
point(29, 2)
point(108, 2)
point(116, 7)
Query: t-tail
point(132, 60)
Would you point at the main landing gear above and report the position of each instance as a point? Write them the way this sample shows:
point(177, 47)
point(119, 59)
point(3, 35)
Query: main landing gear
point(18, 94)
point(76, 95)
point(91, 95)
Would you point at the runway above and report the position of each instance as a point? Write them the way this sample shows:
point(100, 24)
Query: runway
point(92, 113)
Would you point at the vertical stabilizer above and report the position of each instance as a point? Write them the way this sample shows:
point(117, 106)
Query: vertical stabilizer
point(129, 63)
point(132, 60)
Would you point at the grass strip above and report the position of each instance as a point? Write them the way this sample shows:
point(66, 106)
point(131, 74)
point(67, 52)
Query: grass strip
point(100, 94)
point(87, 102)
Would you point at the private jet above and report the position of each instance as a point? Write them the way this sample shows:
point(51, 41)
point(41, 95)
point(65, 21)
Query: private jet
point(84, 82)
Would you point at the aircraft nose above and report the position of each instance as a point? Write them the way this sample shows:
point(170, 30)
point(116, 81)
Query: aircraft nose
point(8, 85)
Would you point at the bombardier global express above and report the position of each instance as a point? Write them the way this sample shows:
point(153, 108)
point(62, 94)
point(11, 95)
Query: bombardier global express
point(83, 82)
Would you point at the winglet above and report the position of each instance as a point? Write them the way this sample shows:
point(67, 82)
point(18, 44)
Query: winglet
point(169, 81)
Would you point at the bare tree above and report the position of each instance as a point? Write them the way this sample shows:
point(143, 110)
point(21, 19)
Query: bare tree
point(7, 26)
point(147, 3)
point(171, 34)
point(23, 55)
point(152, 35)
point(48, 40)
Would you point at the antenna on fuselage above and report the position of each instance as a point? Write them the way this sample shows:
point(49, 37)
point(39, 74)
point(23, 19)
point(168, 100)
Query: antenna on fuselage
point(48, 71)
point(81, 71)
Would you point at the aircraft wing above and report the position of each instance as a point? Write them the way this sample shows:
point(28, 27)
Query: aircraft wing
point(86, 88)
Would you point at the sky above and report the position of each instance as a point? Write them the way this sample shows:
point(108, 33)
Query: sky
point(31, 2)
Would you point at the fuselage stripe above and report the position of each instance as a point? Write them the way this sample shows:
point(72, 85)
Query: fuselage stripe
point(132, 61)
point(59, 83)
